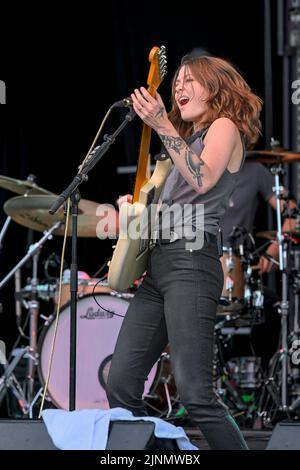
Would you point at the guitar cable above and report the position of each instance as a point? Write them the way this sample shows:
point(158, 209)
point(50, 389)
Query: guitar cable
point(101, 306)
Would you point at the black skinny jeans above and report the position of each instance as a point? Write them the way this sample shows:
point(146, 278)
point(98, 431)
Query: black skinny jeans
point(175, 304)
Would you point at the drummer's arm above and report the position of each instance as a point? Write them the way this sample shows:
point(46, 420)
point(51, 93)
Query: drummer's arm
point(288, 225)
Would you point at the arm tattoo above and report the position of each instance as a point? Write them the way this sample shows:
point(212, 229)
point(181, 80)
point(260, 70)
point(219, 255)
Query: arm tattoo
point(194, 164)
point(160, 112)
point(172, 143)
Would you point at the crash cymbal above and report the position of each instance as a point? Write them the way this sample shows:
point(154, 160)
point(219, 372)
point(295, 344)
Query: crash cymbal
point(94, 220)
point(21, 187)
point(272, 234)
point(273, 156)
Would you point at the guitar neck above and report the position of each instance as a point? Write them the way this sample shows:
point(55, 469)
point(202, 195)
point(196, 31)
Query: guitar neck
point(141, 175)
point(157, 71)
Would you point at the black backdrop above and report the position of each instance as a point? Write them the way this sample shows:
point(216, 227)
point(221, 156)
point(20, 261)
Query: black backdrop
point(63, 69)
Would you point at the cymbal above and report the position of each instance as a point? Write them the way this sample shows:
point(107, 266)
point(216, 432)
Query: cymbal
point(21, 187)
point(273, 156)
point(33, 212)
point(272, 234)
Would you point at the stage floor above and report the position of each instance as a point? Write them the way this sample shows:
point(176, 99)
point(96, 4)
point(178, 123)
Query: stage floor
point(256, 440)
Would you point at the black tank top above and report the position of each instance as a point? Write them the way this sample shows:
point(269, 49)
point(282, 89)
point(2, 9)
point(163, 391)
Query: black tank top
point(177, 191)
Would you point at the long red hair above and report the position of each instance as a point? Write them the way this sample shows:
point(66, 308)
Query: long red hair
point(228, 96)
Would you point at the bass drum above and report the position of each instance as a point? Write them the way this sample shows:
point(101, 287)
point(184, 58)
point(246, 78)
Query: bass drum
point(97, 332)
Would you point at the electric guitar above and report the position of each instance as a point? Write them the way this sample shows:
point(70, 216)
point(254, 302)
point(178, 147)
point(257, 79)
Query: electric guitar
point(130, 255)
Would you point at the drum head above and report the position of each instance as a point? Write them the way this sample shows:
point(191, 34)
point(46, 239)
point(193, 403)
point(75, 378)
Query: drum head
point(97, 332)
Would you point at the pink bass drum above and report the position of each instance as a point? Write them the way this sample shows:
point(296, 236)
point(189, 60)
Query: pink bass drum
point(97, 332)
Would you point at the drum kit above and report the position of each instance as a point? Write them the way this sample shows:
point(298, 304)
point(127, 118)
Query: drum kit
point(31, 209)
point(257, 395)
point(100, 312)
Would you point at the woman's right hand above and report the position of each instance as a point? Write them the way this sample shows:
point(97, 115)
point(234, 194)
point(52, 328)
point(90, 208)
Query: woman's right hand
point(122, 199)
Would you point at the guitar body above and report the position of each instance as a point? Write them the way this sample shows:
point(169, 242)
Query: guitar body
point(131, 252)
point(130, 256)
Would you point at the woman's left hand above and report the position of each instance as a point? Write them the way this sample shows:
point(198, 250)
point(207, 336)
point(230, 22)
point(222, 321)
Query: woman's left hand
point(150, 109)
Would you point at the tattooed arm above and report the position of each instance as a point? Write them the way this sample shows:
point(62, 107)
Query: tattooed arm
point(192, 161)
point(223, 147)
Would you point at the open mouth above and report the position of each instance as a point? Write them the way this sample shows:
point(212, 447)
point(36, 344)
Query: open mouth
point(183, 100)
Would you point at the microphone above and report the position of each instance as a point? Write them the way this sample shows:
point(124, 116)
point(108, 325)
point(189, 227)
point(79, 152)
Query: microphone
point(125, 103)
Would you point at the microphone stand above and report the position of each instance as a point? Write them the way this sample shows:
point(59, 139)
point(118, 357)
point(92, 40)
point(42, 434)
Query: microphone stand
point(72, 192)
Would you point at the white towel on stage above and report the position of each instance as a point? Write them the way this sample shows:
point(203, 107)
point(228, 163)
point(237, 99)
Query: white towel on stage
point(88, 429)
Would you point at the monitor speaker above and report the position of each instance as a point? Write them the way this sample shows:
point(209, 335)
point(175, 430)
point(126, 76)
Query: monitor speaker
point(286, 436)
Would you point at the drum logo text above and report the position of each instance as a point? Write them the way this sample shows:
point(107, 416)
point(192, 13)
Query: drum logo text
point(92, 314)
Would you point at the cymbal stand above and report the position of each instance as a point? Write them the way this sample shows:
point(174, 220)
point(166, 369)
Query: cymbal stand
point(276, 170)
point(34, 307)
point(33, 304)
point(31, 252)
point(8, 381)
point(283, 307)
point(30, 178)
point(294, 336)
point(283, 310)
point(296, 288)
point(4, 230)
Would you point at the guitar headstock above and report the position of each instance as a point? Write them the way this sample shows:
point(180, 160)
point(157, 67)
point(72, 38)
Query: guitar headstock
point(158, 67)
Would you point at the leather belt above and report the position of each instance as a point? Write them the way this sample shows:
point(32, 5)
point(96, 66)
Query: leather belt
point(209, 237)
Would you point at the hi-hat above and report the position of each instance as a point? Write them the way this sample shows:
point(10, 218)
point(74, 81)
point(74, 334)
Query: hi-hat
point(273, 156)
point(21, 186)
point(94, 220)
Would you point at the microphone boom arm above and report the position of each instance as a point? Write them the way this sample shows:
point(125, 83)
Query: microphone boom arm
point(90, 162)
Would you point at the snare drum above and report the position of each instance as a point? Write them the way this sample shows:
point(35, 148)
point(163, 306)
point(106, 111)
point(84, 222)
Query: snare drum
point(86, 285)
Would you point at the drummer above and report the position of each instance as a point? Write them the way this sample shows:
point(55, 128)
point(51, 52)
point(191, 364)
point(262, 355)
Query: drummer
point(255, 181)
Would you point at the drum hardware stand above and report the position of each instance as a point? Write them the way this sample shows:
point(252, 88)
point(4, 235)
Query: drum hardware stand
point(33, 305)
point(222, 383)
point(166, 381)
point(33, 402)
point(4, 230)
point(283, 354)
point(283, 305)
point(31, 179)
point(9, 381)
point(283, 309)
point(295, 333)
point(31, 252)
point(72, 192)
point(277, 189)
